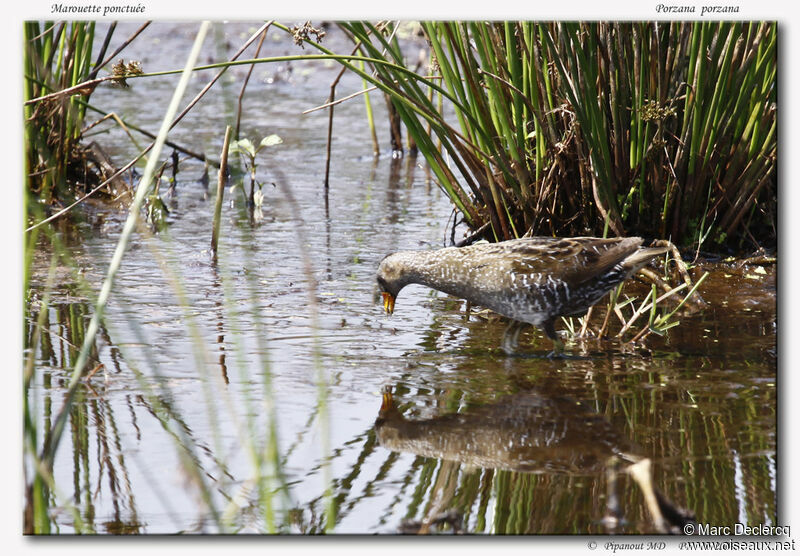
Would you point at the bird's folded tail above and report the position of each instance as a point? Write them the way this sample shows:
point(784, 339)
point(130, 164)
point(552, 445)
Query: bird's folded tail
point(641, 257)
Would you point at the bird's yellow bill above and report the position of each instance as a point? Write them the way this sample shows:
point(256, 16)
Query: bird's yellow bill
point(388, 302)
point(387, 402)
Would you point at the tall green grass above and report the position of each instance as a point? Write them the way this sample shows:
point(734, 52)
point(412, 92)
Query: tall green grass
point(659, 129)
point(57, 56)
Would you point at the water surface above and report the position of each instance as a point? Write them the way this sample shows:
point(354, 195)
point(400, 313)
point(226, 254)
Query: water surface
point(245, 395)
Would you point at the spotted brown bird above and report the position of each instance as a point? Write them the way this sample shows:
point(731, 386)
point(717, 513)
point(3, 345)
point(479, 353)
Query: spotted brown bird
point(529, 280)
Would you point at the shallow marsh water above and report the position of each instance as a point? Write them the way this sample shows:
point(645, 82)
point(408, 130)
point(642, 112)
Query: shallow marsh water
point(212, 373)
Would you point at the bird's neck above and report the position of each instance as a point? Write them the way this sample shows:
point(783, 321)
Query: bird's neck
point(435, 269)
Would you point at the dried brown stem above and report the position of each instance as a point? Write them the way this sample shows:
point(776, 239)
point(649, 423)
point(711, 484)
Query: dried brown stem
point(247, 79)
point(223, 167)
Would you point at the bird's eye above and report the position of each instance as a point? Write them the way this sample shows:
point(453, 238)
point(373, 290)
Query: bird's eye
point(382, 284)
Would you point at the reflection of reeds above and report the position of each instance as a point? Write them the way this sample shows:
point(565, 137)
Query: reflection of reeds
point(321, 378)
point(506, 501)
point(38, 479)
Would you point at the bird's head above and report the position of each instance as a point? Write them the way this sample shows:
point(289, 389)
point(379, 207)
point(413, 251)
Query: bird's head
point(391, 279)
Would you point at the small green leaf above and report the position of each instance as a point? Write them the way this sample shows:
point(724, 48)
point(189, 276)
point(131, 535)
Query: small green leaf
point(242, 146)
point(270, 140)
point(157, 212)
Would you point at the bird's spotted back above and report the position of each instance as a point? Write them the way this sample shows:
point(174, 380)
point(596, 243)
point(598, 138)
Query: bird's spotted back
point(532, 280)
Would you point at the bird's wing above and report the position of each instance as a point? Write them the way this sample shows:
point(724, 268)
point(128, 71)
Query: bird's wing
point(573, 260)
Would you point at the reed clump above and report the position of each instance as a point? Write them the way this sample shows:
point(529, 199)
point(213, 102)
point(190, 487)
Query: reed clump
point(657, 129)
point(57, 58)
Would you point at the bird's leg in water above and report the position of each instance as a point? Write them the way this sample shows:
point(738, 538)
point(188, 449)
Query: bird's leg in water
point(511, 336)
point(558, 345)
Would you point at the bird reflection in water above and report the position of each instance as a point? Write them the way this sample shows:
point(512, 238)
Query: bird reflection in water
point(528, 432)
